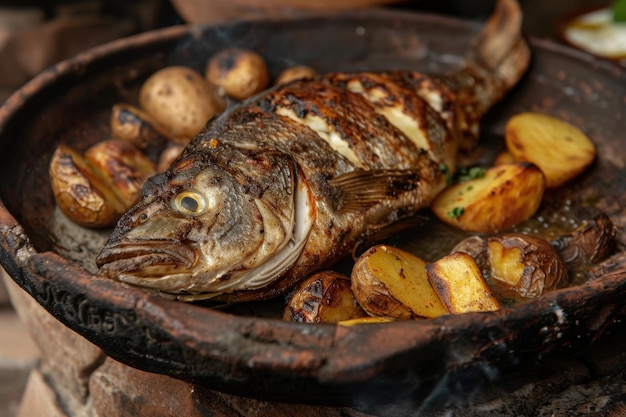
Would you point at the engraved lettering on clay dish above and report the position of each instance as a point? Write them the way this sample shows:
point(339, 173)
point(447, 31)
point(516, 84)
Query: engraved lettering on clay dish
point(77, 308)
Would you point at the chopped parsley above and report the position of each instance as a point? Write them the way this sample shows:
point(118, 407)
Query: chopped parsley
point(466, 174)
point(456, 212)
point(444, 168)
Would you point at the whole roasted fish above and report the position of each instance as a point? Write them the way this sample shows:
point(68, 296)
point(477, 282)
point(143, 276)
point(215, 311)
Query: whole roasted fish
point(291, 180)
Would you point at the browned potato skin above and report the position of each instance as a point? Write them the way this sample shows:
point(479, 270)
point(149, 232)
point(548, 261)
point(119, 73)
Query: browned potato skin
point(180, 101)
point(325, 297)
point(79, 193)
point(95, 189)
point(526, 264)
point(389, 282)
point(591, 243)
point(505, 196)
point(460, 284)
point(476, 247)
point(241, 73)
point(134, 125)
point(169, 155)
point(122, 167)
point(300, 72)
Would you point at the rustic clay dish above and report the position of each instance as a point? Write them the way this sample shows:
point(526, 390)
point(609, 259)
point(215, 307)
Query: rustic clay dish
point(264, 357)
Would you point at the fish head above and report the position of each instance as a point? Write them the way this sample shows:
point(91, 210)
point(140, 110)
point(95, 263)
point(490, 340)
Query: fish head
point(216, 221)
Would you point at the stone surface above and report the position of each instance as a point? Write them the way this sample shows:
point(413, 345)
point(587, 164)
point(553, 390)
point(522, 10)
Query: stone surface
point(12, 382)
point(18, 356)
point(39, 399)
point(4, 295)
point(67, 359)
point(120, 391)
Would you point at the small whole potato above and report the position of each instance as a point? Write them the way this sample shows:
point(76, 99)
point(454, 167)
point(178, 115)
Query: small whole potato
point(179, 100)
point(299, 72)
point(241, 73)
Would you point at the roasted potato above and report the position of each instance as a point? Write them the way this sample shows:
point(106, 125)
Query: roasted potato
point(241, 73)
point(502, 198)
point(365, 320)
point(460, 285)
point(179, 100)
point(96, 188)
point(476, 247)
point(389, 282)
point(300, 72)
point(122, 167)
point(137, 127)
point(79, 193)
point(169, 154)
point(591, 243)
point(559, 149)
point(503, 158)
point(526, 264)
point(325, 297)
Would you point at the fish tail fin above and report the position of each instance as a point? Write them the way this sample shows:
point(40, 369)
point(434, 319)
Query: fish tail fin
point(500, 46)
point(498, 60)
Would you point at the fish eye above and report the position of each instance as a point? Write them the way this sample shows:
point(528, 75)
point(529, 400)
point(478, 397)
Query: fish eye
point(189, 202)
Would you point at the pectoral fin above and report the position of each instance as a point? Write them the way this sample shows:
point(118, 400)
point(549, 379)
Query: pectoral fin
point(362, 189)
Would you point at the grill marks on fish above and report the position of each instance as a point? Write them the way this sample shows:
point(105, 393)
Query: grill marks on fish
point(420, 107)
point(347, 121)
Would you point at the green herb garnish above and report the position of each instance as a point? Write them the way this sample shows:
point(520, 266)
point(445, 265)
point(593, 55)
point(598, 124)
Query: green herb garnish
point(444, 168)
point(456, 212)
point(466, 174)
point(619, 10)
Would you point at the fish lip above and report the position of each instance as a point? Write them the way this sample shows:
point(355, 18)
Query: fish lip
point(130, 252)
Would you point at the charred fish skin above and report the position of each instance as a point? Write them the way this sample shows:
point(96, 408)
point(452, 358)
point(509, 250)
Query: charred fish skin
point(291, 180)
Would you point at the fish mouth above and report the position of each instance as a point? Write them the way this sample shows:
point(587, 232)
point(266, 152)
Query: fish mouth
point(133, 256)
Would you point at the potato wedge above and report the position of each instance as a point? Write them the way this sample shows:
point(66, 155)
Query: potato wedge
point(325, 297)
point(559, 149)
point(505, 196)
point(460, 284)
point(365, 320)
point(526, 264)
point(389, 282)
